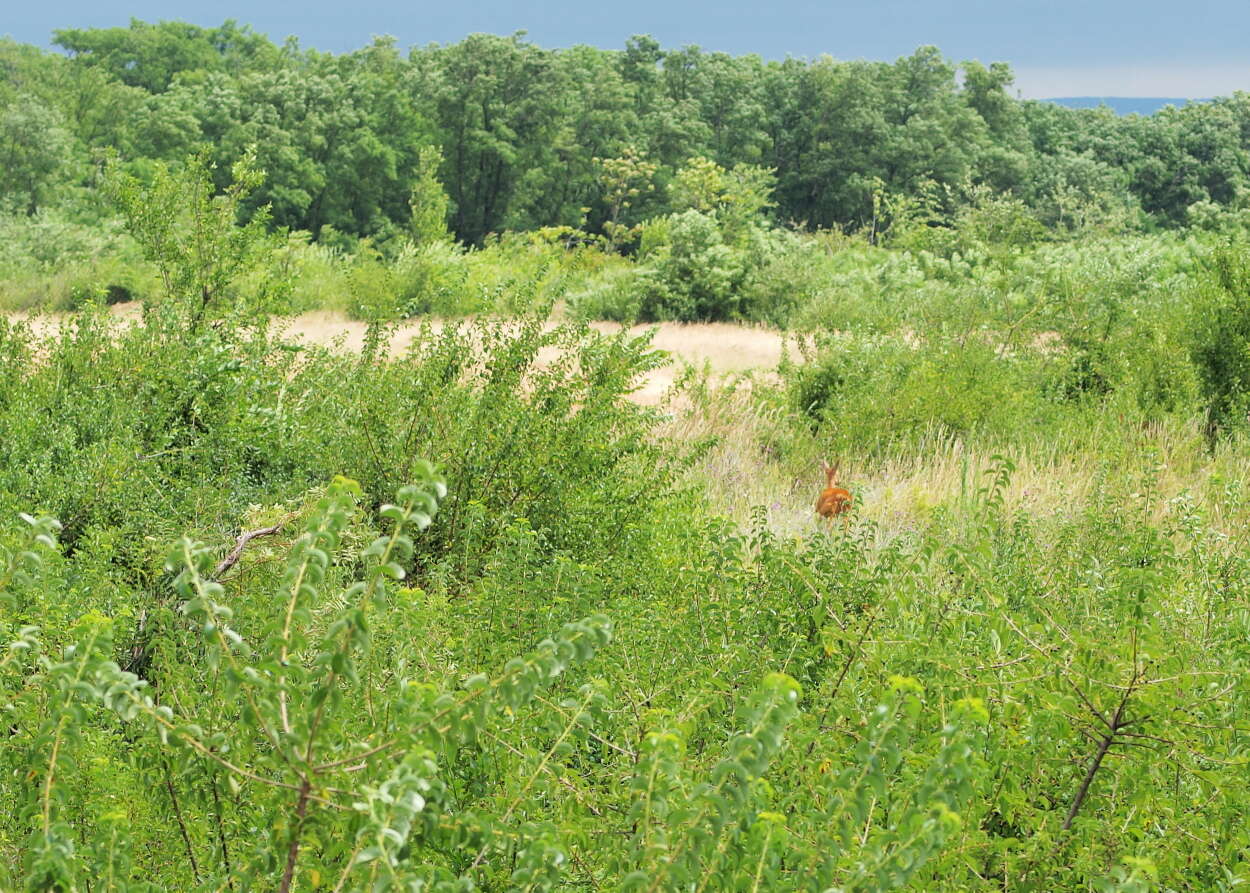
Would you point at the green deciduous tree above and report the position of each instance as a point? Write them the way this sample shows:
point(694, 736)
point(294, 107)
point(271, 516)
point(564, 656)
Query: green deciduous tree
point(195, 238)
point(151, 56)
point(495, 105)
point(428, 200)
point(35, 153)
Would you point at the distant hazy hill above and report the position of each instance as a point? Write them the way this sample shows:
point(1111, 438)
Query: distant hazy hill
point(1121, 105)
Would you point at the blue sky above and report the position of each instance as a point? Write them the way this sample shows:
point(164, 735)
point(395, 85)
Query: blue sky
point(1057, 47)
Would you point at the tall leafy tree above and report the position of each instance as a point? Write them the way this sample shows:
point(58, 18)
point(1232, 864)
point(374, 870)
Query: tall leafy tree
point(35, 153)
point(152, 55)
point(1190, 154)
point(338, 138)
point(596, 118)
point(495, 104)
point(1006, 155)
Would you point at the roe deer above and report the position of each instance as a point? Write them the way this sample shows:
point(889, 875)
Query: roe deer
point(834, 500)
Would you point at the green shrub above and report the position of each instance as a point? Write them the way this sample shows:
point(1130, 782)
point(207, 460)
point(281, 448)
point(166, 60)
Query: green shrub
point(874, 392)
point(699, 276)
point(48, 262)
point(432, 279)
point(1221, 338)
point(616, 294)
point(219, 671)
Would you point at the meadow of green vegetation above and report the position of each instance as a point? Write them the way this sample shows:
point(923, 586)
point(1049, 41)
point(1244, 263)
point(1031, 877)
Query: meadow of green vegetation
point(469, 616)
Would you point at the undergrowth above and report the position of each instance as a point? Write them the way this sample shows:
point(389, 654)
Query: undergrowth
point(471, 618)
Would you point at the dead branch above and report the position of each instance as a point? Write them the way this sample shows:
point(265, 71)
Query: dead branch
point(241, 543)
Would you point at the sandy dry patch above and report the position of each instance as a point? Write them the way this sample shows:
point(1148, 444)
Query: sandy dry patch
point(720, 347)
point(728, 348)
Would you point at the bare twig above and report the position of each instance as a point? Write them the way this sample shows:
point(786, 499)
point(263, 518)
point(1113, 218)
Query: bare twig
point(851, 658)
point(138, 651)
point(241, 543)
point(301, 808)
point(1092, 709)
point(1083, 790)
point(182, 826)
point(221, 832)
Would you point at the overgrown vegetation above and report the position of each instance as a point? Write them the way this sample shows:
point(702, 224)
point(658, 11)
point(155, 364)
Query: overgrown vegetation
point(692, 162)
point(467, 615)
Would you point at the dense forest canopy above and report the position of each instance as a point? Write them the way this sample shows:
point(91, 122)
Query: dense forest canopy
point(524, 130)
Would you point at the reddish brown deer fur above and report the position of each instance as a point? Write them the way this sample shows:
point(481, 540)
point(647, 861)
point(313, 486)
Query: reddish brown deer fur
point(834, 500)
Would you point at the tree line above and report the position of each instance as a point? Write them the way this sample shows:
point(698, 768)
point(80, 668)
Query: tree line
point(531, 137)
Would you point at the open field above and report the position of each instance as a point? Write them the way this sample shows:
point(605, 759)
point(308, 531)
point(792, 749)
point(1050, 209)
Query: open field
point(972, 621)
point(895, 492)
point(446, 519)
point(1027, 638)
